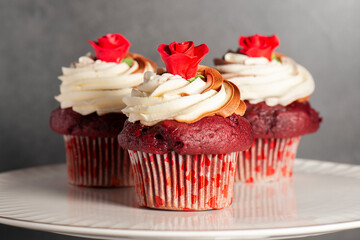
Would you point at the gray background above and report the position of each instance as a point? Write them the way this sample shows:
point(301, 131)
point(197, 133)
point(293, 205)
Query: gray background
point(40, 36)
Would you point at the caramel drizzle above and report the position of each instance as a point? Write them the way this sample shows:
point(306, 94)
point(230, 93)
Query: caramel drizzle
point(215, 81)
point(213, 77)
point(222, 61)
point(304, 99)
point(141, 60)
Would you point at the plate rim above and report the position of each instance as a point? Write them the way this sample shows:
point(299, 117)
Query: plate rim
point(198, 234)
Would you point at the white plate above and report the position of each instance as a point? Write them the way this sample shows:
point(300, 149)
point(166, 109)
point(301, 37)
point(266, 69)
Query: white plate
point(322, 197)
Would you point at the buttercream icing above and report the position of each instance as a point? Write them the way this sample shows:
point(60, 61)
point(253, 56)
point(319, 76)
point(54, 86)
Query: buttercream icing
point(91, 85)
point(171, 97)
point(279, 81)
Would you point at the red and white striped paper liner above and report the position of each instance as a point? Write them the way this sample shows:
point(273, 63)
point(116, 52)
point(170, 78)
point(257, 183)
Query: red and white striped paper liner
point(97, 162)
point(184, 182)
point(267, 160)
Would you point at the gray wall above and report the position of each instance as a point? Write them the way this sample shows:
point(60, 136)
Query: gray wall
point(40, 36)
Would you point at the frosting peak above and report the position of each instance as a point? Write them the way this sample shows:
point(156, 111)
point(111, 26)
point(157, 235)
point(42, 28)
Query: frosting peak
point(92, 85)
point(171, 97)
point(276, 81)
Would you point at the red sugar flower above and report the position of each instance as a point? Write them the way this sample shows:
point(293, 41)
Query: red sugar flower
point(111, 48)
point(182, 58)
point(258, 45)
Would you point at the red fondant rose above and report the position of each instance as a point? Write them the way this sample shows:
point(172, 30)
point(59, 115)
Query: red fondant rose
point(111, 47)
point(258, 45)
point(182, 58)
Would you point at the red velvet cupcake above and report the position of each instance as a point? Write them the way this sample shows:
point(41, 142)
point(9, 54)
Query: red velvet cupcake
point(90, 115)
point(276, 91)
point(184, 133)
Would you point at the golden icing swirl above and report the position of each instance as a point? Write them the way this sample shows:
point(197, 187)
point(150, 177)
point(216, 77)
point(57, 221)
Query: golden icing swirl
point(215, 81)
point(142, 61)
point(170, 97)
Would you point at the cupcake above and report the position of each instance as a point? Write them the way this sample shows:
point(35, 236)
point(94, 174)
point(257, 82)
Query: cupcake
point(184, 133)
point(276, 90)
point(90, 115)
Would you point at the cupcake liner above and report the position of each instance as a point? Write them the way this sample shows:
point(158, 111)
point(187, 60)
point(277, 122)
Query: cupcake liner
point(267, 160)
point(97, 162)
point(184, 182)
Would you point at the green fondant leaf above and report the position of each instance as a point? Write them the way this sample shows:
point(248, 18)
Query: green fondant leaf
point(128, 61)
point(196, 76)
point(273, 56)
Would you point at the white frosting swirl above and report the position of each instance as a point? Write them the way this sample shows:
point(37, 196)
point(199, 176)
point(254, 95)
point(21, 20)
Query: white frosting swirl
point(171, 97)
point(97, 86)
point(271, 81)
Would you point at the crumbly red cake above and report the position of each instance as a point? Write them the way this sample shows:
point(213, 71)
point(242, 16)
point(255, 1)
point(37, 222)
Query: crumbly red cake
point(295, 119)
point(210, 135)
point(68, 122)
